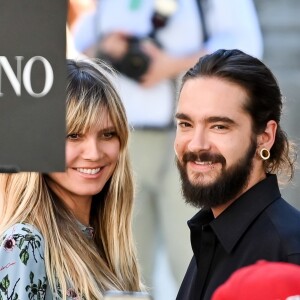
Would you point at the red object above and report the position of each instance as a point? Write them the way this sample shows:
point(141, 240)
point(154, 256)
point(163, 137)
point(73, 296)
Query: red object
point(262, 281)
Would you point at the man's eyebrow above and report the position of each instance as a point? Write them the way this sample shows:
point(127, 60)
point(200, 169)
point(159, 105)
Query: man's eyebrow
point(211, 119)
point(220, 119)
point(182, 116)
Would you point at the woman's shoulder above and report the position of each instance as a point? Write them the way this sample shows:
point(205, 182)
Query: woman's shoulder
point(22, 230)
point(23, 227)
point(24, 240)
point(22, 266)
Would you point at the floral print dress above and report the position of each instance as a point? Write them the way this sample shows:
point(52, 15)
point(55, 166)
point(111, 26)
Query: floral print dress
point(22, 266)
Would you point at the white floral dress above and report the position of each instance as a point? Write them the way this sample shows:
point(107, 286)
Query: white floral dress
point(22, 267)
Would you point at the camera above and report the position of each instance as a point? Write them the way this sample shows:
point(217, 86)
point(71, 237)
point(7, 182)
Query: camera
point(134, 63)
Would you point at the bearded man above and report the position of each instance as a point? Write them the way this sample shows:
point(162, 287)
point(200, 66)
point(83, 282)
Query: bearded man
point(229, 147)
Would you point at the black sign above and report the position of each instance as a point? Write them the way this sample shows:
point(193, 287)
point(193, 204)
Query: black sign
point(32, 85)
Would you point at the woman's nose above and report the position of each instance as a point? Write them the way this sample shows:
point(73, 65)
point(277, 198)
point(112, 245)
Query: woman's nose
point(91, 149)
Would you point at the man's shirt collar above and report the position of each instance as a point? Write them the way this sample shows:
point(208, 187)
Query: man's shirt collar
point(231, 224)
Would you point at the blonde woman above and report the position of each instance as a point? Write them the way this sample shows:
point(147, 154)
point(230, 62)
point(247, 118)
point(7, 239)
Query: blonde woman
point(68, 235)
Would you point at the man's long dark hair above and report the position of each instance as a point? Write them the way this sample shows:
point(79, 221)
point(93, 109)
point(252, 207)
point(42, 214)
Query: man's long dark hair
point(264, 98)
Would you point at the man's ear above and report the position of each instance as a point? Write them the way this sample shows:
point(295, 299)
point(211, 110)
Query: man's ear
point(267, 138)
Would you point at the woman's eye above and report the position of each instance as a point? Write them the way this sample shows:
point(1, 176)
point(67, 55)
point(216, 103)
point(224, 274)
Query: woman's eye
point(109, 134)
point(73, 136)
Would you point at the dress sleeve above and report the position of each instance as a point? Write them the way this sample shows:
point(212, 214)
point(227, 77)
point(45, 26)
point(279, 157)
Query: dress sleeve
point(22, 267)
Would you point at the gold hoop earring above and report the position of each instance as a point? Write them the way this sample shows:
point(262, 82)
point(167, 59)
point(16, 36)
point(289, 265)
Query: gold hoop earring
point(264, 153)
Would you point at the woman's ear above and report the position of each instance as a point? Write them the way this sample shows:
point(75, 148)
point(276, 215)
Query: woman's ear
point(267, 138)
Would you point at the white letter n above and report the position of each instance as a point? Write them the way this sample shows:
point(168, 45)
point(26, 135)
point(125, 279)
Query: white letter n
point(14, 80)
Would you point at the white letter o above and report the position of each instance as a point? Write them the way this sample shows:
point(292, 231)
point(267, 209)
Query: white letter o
point(48, 76)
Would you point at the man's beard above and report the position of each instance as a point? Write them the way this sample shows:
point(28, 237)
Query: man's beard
point(225, 187)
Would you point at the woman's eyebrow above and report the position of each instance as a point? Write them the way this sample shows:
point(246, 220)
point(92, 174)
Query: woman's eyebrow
point(108, 128)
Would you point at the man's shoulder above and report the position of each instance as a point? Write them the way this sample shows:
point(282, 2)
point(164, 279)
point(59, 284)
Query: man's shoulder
point(286, 221)
point(280, 210)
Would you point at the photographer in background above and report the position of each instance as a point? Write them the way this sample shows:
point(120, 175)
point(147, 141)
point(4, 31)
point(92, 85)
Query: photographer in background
point(151, 43)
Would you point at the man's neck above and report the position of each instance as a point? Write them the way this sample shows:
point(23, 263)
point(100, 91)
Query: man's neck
point(220, 208)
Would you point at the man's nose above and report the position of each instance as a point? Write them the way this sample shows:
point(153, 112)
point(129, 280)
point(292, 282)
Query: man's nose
point(199, 141)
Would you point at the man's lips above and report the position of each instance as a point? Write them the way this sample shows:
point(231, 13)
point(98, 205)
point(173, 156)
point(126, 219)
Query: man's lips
point(203, 163)
point(201, 166)
point(204, 158)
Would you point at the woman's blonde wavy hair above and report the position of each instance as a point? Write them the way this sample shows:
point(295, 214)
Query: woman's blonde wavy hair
point(108, 262)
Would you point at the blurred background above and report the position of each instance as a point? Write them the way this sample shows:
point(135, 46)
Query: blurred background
point(280, 26)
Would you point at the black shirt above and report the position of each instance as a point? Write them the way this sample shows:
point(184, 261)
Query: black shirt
point(258, 225)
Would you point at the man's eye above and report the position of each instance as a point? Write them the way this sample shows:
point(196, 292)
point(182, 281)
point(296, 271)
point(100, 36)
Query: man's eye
point(219, 127)
point(183, 124)
point(73, 136)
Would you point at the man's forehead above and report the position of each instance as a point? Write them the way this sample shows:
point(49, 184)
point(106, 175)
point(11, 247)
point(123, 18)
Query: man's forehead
point(210, 82)
point(206, 93)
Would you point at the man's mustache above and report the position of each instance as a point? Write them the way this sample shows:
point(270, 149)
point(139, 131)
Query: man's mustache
point(204, 156)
